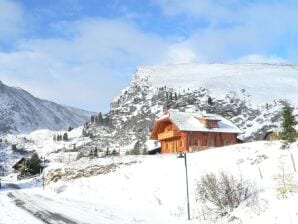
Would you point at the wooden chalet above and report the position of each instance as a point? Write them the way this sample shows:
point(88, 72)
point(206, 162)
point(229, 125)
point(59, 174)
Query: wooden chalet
point(183, 131)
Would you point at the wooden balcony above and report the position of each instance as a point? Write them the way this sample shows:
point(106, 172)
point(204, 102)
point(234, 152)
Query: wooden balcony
point(168, 134)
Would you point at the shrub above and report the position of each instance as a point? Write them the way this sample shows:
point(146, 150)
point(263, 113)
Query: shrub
point(285, 183)
point(223, 193)
point(133, 151)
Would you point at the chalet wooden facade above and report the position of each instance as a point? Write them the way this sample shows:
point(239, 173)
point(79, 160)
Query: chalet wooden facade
point(181, 131)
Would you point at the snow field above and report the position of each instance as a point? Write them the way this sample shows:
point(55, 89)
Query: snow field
point(152, 189)
point(157, 184)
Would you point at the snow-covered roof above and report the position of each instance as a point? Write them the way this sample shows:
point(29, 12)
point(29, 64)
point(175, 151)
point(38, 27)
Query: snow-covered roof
point(186, 121)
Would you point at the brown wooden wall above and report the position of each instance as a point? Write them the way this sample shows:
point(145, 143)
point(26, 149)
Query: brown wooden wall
point(174, 145)
point(211, 139)
point(196, 141)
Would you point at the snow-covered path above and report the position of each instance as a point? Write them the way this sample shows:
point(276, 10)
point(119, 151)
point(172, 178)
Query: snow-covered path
point(10, 213)
point(22, 206)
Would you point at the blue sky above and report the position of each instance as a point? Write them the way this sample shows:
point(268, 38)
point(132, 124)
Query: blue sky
point(83, 52)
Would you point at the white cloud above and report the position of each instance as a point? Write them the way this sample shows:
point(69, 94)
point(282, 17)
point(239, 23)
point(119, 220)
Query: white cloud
point(236, 28)
point(255, 58)
point(88, 68)
point(92, 60)
point(178, 53)
point(11, 19)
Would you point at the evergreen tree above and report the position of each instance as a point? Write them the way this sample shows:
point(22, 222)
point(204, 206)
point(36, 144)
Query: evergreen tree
point(95, 152)
point(13, 147)
point(210, 101)
point(106, 121)
point(84, 133)
point(288, 132)
point(34, 164)
point(92, 119)
point(65, 136)
point(96, 120)
point(100, 118)
point(171, 97)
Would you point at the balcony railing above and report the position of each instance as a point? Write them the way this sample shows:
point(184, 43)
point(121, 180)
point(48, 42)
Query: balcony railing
point(168, 134)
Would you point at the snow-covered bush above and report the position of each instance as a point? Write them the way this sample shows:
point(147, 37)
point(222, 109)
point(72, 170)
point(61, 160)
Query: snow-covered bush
point(221, 194)
point(285, 183)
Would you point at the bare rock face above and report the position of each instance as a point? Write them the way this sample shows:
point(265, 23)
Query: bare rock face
point(20, 112)
point(231, 91)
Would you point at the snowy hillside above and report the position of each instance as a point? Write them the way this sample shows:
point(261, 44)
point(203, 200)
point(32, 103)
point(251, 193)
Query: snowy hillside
point(41, 142)
point(264, 82)
point(247, 94)
point(20, 112)
point(151, 189)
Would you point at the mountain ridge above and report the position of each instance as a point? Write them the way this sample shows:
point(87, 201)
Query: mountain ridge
point(21, 112)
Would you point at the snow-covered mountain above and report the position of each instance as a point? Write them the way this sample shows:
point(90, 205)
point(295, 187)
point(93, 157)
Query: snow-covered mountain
point(248, 94)
point(20, 112)
point(264, 82)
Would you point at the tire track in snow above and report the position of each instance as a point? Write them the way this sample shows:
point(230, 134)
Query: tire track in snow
point(46, 216)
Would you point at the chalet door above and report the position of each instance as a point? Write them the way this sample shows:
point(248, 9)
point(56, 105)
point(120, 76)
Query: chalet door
point(218, 140)
point(211, 141)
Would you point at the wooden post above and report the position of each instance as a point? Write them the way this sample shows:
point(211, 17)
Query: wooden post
point(260, 172)
point(186, 175)
point(293, 162)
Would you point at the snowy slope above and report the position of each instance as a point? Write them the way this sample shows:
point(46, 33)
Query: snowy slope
point(157, 184)
point(20, 112)
point(264, 82)
point(152, 190)
point(41, 142)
